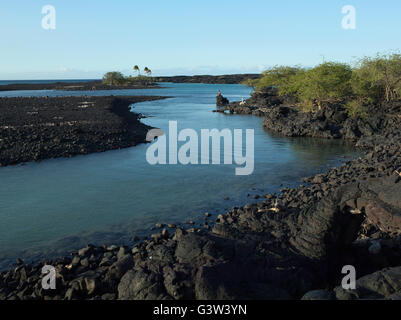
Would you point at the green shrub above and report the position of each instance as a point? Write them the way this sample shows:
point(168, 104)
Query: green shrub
point(379, 78)
point(372, 80)
point(113, 78)
point(117, 79)
point(284, 78)
point(355, 108)
point(328, 82)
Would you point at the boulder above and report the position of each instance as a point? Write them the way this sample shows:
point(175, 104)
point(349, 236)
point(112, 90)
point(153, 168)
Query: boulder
point(221, 101)
point(139, 284)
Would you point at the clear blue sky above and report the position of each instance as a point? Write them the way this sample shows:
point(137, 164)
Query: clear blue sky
point(187, 37)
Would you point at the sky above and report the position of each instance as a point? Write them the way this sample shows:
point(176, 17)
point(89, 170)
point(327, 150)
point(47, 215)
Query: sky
point(174, 37)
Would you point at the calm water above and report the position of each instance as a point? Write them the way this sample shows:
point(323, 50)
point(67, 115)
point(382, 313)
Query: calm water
point(61, 204)
point(5, 82)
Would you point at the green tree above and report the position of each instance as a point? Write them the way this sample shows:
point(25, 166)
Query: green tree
point(378, 78)
point(328, 82)
point(113, 78)
point(136, 69)
point(284, 78)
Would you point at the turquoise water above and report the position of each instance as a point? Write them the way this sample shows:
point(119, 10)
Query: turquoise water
point(56, 205)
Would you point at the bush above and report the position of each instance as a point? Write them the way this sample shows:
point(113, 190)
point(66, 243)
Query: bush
point(378, 79)
point(281, 77)
point(363, 87)
point(372, 80)
point(328, 82)
point(355, 108)
point(113, 78)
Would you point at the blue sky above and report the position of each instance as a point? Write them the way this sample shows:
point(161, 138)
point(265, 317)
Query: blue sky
point(187, 37)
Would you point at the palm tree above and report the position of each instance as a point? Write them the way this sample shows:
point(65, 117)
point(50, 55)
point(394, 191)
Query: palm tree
point(136, 68)
point(147, 71)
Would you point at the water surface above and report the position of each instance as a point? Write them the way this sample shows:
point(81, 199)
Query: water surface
point(49, 207)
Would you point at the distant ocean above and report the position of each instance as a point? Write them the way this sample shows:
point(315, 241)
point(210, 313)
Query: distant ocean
point(5, 82)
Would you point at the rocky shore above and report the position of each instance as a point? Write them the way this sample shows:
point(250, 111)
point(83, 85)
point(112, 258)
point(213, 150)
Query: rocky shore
point(223, 79)
point(380, 126)
point(34, 129)
point(289, 245)
point(74, 86)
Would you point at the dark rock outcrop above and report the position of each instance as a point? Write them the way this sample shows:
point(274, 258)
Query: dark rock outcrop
point(265, 98)
point(221, 101)
point(256, 104)
point(380, 127)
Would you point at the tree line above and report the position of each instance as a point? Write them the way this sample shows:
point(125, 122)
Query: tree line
point(372, 80)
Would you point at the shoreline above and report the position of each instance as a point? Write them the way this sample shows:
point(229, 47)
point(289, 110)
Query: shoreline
point(34, 129)
point(94, 85)
point(209, 79)
point(295, 242)
point(331, 122)
point(75, 86)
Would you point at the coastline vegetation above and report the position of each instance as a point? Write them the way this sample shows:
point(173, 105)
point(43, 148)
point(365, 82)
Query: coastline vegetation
point(372, 80)
point(115, 78)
